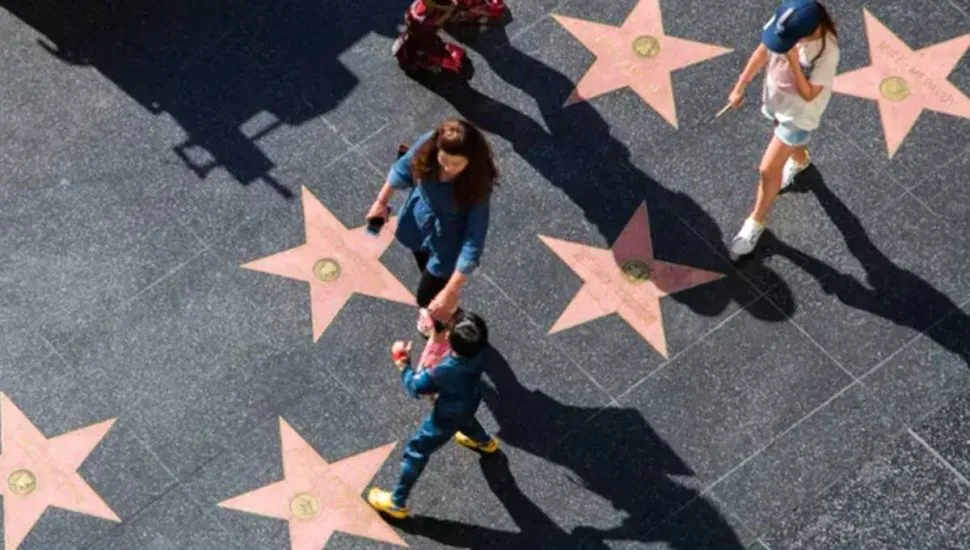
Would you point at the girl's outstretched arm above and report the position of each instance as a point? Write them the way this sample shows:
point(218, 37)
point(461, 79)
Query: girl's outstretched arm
point(756, 62)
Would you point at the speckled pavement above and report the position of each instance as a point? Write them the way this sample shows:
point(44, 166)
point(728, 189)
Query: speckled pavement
point(159, 366)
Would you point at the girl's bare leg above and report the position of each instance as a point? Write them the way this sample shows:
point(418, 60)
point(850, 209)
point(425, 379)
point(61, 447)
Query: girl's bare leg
point(770, 170)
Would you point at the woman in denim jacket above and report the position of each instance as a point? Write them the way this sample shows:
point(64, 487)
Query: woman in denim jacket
point(449, 174)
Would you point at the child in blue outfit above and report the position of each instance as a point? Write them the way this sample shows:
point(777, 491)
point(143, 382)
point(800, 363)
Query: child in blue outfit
point(457, 383)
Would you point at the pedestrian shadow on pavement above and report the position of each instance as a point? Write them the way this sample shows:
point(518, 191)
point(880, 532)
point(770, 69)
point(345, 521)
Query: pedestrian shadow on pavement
point(889, 291)
point(611, 452)
point(579, 155)
point(215, 66)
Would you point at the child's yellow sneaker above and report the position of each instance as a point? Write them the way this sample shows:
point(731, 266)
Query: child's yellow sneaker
point(487, 448)
point(381, 501)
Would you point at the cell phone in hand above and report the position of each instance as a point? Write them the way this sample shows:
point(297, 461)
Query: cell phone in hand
point(375, 223)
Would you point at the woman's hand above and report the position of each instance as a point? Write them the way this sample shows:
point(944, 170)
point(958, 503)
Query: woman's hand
point(792, 56)
point(377, 210)
point(444, 304)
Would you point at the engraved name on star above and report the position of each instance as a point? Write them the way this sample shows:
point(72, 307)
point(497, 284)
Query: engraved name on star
point(626, 280)
point(37, 472)
point(336, 262)
point(904, 82)
point(318, 498)
point(638, 54)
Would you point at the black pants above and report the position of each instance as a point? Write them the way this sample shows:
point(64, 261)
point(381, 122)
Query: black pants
point(429, 286)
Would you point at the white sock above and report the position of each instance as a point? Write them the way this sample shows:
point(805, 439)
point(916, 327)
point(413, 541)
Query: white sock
point(808, 160)
point(749, 228)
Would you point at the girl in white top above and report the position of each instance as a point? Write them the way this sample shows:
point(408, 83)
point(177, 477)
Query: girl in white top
point(800, 49)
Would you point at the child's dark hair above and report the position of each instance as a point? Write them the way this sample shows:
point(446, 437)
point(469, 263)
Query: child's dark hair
point(468, 335)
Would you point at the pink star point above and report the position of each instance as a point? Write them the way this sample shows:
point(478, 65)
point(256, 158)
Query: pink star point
point(606, 289)
point(356, 252)
point(618, 65)
point(924, 71)
point(51, 465)
point(332, 491)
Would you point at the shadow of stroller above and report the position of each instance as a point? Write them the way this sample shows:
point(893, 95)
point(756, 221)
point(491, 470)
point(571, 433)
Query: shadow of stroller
point(216, 66)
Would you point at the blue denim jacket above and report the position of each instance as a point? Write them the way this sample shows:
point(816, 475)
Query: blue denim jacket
point(457, 381)
point(430, 220)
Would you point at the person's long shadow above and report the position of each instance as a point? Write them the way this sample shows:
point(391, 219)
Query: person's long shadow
point(215, 65)
point(893, 293)
point(536, 529)
point(614, 453)
point(579, 155)
point(610, 452)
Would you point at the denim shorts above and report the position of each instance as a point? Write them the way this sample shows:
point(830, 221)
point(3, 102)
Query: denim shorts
point(788, 133)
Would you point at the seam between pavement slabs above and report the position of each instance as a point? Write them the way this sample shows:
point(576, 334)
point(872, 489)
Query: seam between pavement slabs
point(355, 147)
point(918, 420)
point(708, 491)
point(142, 510)
point(108, 406)
point(855, 379)
point(508, 44)
point(613, 401)
point(225, 233)
point(272, 421)
point(946, 463)
point(905, 194)
point(690, 346)
point(559, 350)
point(952, 160)
point(127, 301)
point(175, 482)
point(959, 8)
point(852, 143)
point(778, 437)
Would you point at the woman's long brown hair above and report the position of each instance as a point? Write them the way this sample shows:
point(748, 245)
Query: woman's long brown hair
point(828, 26)
point(456, 136)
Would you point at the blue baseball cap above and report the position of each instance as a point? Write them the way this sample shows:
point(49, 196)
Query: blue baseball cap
point(793, 20)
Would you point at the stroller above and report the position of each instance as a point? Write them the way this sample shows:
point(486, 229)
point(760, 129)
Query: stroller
point(420, 48)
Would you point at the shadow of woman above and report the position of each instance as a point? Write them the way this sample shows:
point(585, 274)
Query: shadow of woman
point(579, 155)
point(893, 293)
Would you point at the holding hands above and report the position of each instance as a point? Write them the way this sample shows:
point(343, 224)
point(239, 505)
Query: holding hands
point(444, 305)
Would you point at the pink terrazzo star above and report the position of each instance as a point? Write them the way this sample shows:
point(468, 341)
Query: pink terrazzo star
point(625, 280)
point(904, 82)
point(638, 54)
point(318, 498)
point(336, 262)
point(38, 472)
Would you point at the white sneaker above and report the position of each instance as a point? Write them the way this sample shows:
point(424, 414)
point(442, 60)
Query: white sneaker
point(791, 170)
point(746, 239)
